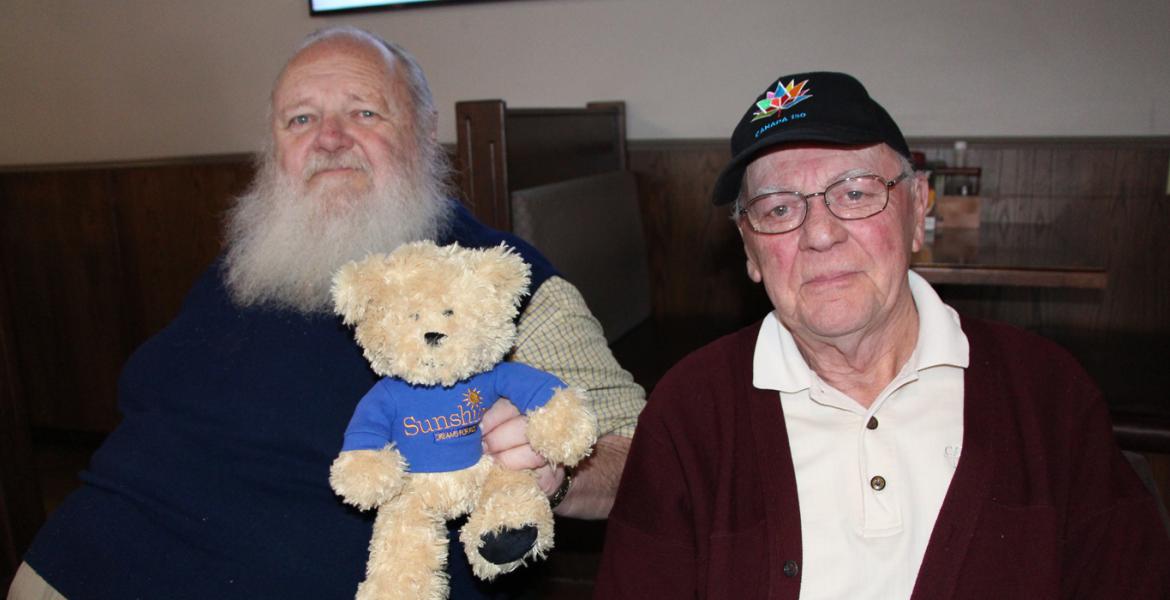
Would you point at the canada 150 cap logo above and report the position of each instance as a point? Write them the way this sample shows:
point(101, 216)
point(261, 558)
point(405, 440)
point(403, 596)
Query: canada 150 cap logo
point(785, 97)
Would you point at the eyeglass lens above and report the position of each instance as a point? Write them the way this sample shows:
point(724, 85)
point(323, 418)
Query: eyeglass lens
point(848, 199)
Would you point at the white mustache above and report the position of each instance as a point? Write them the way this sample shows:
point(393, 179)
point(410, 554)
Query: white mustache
point(327, 162)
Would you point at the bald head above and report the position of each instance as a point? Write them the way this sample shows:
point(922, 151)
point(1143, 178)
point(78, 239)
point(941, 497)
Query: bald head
point(354, 167)
point(324, 50)
point(350, 100)
point(400, 66)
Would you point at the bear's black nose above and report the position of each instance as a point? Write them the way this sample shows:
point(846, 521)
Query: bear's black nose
point(434, 338)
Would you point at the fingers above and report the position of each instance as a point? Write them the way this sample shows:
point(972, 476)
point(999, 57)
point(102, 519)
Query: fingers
point(505, 438)
point(500, 412)
point(520, 457)
point(549, 478)
point(505, 435)
point(508, 445)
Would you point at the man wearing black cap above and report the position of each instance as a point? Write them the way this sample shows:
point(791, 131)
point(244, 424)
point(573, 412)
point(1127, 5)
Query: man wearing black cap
point(863, 440)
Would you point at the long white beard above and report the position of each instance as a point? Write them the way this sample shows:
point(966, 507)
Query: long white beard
point(285, 243)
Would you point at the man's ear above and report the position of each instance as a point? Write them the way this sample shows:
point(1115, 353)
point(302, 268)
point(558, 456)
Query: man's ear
point(920, 190)
point(433, 134)
point(753, 270)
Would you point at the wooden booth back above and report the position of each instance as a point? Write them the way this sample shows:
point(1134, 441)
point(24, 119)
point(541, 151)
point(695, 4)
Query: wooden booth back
point(558, 178)
point(501, 149)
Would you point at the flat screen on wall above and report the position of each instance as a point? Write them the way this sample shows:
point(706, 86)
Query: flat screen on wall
point(328, 7)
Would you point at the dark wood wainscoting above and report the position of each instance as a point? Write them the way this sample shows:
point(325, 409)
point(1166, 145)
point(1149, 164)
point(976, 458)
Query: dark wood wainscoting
point(97, 258)
point(1109, 195)
point(696, 259)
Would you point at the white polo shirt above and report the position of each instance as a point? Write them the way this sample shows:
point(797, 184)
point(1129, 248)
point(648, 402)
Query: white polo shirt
point(870, 482)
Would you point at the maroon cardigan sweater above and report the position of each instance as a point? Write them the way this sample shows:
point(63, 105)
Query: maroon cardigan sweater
point(1042, 504)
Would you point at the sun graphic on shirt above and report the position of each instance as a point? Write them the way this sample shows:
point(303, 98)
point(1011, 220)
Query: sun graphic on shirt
point(472, 397)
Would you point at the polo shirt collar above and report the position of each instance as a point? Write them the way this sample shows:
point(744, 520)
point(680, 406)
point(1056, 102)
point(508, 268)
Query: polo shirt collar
point(778, 365)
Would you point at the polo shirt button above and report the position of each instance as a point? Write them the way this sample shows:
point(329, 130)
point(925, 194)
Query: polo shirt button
point(878, 483)
point(791, 569)
point(872, 424)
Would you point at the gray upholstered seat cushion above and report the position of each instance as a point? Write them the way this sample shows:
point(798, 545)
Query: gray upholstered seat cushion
point(591, 229)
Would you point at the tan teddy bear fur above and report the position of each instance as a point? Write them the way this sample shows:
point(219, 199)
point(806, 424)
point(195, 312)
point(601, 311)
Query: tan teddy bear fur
point(470, 297)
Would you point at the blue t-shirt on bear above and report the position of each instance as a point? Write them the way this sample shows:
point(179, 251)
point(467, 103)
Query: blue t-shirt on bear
point(436, 428)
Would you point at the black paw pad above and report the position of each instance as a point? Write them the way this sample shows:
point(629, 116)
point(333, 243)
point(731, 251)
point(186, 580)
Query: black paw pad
point(507, 545)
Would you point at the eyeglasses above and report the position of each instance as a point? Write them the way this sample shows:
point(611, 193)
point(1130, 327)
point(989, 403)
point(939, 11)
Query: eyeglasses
point(850, 199)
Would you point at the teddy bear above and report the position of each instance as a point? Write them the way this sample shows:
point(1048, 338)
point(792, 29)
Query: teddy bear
point(435, 322)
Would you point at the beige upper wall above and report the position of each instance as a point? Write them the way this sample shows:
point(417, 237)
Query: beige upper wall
point(89, 80)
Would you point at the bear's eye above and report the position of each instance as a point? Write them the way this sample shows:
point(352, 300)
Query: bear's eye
point(448, 313)
point(414, 316)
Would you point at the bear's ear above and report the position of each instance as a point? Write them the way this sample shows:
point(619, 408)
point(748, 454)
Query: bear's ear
point(503, 269)
point(354, 285)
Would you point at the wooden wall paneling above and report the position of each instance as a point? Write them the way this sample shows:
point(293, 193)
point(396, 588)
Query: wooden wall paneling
point(1038, 171)
point(550, 145)
point(699, 289)
point(1001, 176)
point(696, 258)
point(480, 153)
point(59, 244)
point(20, 500)
point(1107, 194)
point(170, 224)
point(500, 150)
point(1074, 171)
point(98, 259)
point(618, 149)
point(1130, 222)
point(1139, 298)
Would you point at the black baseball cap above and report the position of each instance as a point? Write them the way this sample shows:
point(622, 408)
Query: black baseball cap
point(831, 108)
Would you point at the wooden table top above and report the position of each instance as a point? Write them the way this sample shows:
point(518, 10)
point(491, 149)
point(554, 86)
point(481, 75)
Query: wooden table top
point(1011, 254)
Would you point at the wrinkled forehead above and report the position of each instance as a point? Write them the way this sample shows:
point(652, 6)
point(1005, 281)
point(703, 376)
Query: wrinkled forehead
point(339, 56)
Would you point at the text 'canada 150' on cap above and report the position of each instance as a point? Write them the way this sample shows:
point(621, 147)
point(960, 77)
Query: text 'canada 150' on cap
point(817, 107)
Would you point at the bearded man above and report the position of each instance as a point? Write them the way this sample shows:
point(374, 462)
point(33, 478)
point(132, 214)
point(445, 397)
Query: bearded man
point(215, 484)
